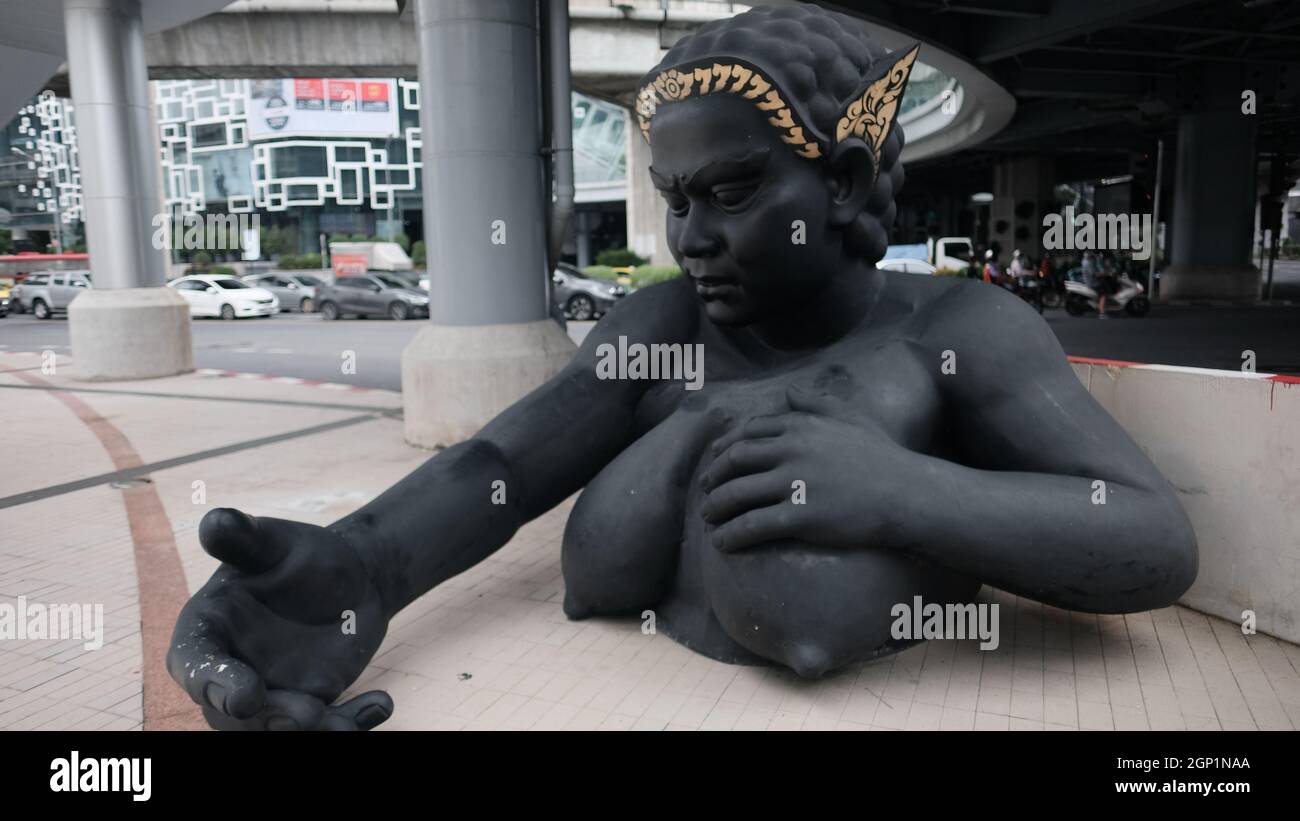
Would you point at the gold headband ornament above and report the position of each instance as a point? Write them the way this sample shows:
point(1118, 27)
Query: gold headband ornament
point(867, 115)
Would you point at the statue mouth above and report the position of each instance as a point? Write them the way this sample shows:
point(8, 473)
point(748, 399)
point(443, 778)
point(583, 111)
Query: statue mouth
point(714, 287)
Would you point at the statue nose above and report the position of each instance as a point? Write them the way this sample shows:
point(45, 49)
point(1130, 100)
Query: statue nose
point(695, 242)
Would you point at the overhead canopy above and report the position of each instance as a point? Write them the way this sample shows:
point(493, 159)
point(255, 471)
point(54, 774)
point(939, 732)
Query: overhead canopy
point(33, 46)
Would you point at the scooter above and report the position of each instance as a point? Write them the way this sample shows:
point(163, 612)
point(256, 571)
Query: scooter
point(1029, 288)
point(1130, 297)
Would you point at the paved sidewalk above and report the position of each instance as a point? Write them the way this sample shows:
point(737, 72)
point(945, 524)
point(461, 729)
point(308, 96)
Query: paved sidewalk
point(104, 484)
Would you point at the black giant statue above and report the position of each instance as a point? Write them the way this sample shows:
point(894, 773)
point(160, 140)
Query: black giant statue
point(858, 438)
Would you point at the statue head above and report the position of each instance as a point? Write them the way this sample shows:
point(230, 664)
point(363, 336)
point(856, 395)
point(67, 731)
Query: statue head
point(772, 140)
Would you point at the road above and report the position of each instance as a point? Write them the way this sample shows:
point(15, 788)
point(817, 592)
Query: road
point(307, 347)
point(300, 345)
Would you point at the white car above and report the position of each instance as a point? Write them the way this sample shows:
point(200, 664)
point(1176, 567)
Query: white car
point(905, 265)
point(224, 296)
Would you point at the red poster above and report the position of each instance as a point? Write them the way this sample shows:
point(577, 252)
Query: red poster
point(343, 95)
point(374, 96)
point(309, 94)
point(348, 264)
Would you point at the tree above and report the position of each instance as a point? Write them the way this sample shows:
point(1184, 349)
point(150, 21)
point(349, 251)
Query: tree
point(274, 241)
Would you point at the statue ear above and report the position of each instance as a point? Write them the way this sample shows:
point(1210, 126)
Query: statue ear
point(851, 170)
point(869, 114)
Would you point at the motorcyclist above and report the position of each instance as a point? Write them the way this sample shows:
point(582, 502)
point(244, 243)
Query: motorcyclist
point(1107, 283)
point(1017, 266)
point(992, 271)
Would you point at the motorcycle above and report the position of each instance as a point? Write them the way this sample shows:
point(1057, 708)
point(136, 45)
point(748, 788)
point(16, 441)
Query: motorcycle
point(1053, 288)
point(1130, 297)
point(1029, 287)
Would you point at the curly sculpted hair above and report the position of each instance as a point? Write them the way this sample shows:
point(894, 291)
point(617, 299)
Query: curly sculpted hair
point(818, 59)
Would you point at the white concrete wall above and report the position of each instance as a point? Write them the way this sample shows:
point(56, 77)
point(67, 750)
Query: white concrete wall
point(1229, 443)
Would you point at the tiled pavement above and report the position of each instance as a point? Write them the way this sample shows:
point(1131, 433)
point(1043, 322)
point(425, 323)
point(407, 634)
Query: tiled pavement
point(491, 649)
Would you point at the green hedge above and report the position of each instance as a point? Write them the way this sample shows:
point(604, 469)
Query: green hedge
point(650, 274)
point(299, 262)
point(600, 272)
point(619, 258)
point(641, 276)
point(221, 271)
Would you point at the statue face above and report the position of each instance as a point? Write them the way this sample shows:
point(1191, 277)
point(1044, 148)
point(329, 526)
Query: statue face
point(747, 217)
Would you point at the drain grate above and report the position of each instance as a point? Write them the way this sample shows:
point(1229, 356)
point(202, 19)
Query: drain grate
point(130, 483)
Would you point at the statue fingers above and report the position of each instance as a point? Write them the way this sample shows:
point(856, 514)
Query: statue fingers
point(743, 458)
point(363, 712)
point(756, 527)
point(760, 427)
point(743, 494)
point(200, 662)
point(241, 541)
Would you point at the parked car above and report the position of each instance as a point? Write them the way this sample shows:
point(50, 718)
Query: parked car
point(582, 297)
point(906, 265)
point(16, 304)
point(224, 296)
point(47, 293)
point(296, 292)
point(4, 300)
point(375, 293)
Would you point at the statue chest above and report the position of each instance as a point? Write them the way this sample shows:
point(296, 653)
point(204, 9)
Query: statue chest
point(885, 381)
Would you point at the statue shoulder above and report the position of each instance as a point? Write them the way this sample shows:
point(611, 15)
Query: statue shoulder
point(974, 314)
point(664, 312)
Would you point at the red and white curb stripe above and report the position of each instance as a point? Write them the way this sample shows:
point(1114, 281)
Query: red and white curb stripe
point(283, 380)
point(1142, 366)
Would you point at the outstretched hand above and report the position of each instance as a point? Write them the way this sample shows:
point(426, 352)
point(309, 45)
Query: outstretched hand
point(285, 624)
point(823, 473)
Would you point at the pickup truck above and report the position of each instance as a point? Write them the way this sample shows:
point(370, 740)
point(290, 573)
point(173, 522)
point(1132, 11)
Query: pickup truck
point(47, 293)
point(945, 252)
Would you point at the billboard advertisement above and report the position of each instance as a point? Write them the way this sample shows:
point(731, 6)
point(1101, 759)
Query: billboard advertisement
point(346, 107)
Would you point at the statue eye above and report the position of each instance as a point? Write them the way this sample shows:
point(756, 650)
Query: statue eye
point(677, 204)
point(734, 196)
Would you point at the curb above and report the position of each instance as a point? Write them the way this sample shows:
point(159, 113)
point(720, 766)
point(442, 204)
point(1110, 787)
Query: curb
point(1225, 303)
point(285, 380)
point(1121, 363)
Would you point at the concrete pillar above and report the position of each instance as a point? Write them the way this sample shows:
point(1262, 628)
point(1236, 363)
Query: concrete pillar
point(1022, 187)
point(1213, 210)
point(490, 339)
point(583, 223)
point(646, 209)
point(127, 326)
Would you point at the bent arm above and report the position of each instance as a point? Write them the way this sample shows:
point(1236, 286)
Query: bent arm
point(1052, 499)
point(449, 514)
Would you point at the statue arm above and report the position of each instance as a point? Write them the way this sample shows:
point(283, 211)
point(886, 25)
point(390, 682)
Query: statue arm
point(1051, 498)
point(468, 500)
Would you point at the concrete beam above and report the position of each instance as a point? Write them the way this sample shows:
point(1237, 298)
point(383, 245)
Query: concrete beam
point(1067, 84)
point(1068, 19)
point(608, 54)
